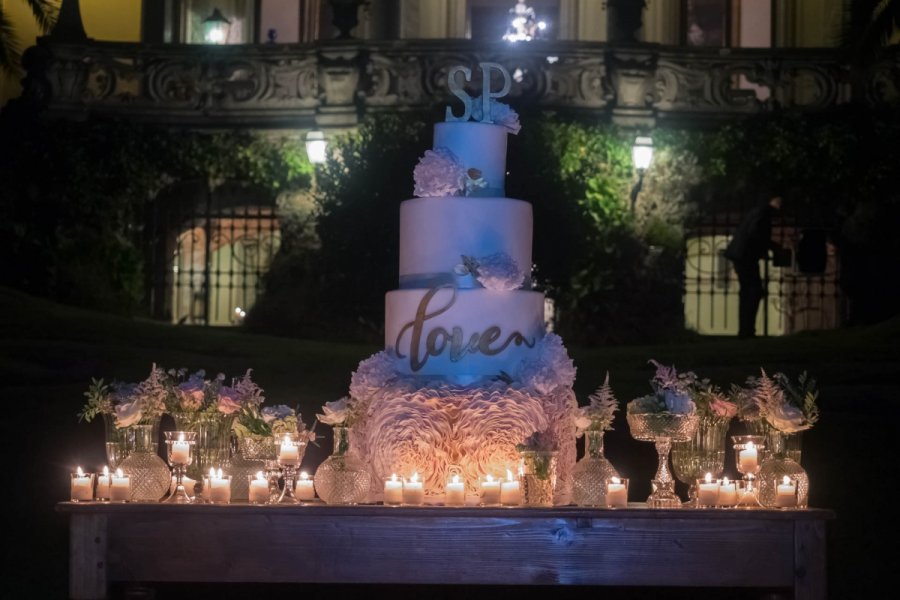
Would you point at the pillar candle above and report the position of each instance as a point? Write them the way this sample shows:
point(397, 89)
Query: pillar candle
point(220, 488)
point(103, 481)
point(455, 492)
point(490, 491)
point(748, 458)
point(288, 453)
point(120, 488)
point(82, 486)
point(413, 491)
point(617, 493)
point(510, 494)
point(707, 491)
point(181, 452)
point(786, 493)
point(727, 493)
point(259, 489)
point(393, 491)
point(305, 489)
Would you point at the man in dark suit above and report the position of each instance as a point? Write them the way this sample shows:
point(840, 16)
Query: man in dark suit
point(750, 244)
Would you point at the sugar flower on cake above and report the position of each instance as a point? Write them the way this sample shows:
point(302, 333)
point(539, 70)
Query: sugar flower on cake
point(498, 272)
point(599, 414)
point(783, 405)
point(501, 114)
point(551, 367)
point(439, 173)
point(672, 392)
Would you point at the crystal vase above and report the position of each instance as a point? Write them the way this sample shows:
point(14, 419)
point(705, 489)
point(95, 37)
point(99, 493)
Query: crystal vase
point(342, 478)
point(662, 429)
point(116, 442)
point(703, 453)
point(777, 465)
point(539, 478)
point(213, 444)
point(150, 476)
point(592, 472)
point(249, 458)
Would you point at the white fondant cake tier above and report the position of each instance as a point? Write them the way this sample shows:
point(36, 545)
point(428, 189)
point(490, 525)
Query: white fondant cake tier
point(441, 429)
point(462, 333)
point(479, 146)
point(434, 232)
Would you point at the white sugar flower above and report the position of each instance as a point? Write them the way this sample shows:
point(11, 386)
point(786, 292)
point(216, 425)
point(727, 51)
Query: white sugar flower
point(501, 114)
point(497, 272)
point(551, 368)
point(439, 173)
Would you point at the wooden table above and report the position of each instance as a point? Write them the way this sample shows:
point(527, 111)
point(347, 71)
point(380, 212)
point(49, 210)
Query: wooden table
point(636, 546)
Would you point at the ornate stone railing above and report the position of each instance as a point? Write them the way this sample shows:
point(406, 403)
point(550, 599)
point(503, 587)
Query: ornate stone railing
point(331, 84)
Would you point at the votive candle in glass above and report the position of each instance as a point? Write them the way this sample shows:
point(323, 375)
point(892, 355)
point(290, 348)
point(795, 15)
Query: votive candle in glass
point(510, 492)
point(617, 492)
point(786, 493)
point(120, 487)
point(305, 490)
point(219, 488)
point(104, 480)
point(707, 491)
point(258, 492)
point(490, 491)
point(727, 493)
point(393, 491)
point(413, 491)
point(455, 492)
point(82, 487)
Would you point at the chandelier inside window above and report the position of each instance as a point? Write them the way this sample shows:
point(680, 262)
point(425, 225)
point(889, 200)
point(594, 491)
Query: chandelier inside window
point(524, 26)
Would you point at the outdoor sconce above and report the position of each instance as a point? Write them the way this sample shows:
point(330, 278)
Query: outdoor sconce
point(316, 146)
point(215, 28)
point(641, 156)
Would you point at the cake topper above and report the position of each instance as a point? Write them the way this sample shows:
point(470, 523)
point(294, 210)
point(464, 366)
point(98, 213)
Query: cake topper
point(486, 94)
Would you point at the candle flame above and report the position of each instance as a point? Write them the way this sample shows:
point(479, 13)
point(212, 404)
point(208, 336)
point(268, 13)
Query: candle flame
point(219, 474)
point(724, 481)
point(414, 478)
point(119, 473)
point(509, 476)
point(80, 472)
point(106, 471)
point(304, 475)
point(615, 480)
point(394, 477)
point(490, 478)
point(260, 476)
point(181, 436)
point(212, 472)
point(751, 446)
point(455, 479)
point(709, 478)
point(787, 480)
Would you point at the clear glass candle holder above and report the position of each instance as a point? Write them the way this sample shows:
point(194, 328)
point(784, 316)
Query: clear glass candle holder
point(413, 491)
point(616, 492)
point(82, 486)
point(217, 490)
point(748, 492)
point(104, 479)
point(787, 492)
point(748, 453)
point(258, 488)
point(290, 449)
point(120, 487)
point(274, 473)
point(489, 491)
point(707, 492)
point(393, 491)
point(180, 454)
point(728, 493)
point(305, 488)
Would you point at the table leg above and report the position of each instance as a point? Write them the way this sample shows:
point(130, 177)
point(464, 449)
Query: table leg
point(809, 560)
point(87, 557)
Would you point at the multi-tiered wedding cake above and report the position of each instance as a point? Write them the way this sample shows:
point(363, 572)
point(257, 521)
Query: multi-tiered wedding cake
point(468, 372)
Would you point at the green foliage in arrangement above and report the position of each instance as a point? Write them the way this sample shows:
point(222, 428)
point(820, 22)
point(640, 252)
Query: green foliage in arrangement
point(76, 196)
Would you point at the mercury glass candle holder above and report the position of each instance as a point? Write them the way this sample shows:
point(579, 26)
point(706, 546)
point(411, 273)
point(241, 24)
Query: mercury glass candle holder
point(179, 452)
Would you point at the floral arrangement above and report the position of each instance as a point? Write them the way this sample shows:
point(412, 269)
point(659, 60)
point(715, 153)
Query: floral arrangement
point(781, 404)
point(128, 403)
point(713, 402)
point(494, 272)
point(599, 414)
point(255, 422)
point(501, 114)
point(342, 412)
point(550, 368)
point(439, 173)
point(673, 392)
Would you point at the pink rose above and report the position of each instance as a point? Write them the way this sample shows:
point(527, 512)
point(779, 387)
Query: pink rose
point(190, 396)
point(228, 403)
point(722, 408)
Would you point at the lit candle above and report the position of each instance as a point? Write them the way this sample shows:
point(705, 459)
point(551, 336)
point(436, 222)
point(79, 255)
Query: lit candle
point(413, 490)
point(120, 488)
point(707, 491)
point(259, 489)
point(288, 452)
point(305, 490)
point(727, 493)
point(220, 488)
point(103, 482)
point(393, 490)
point(786, 493)
point(82, 486)
point(748, 458)
point(455, 492)
point(490, 490)
point(510, 494)
point(181, 451)
point(617, 493)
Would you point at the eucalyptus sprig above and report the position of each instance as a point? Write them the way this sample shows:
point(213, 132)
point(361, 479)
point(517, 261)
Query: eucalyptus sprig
point(98, 401)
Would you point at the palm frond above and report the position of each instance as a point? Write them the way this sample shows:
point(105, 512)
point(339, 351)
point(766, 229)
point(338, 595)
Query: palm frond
point(10, 54)
point(45, 13)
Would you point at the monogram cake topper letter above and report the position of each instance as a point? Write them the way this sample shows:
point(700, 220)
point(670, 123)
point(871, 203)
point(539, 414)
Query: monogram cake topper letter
point(486, 94)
